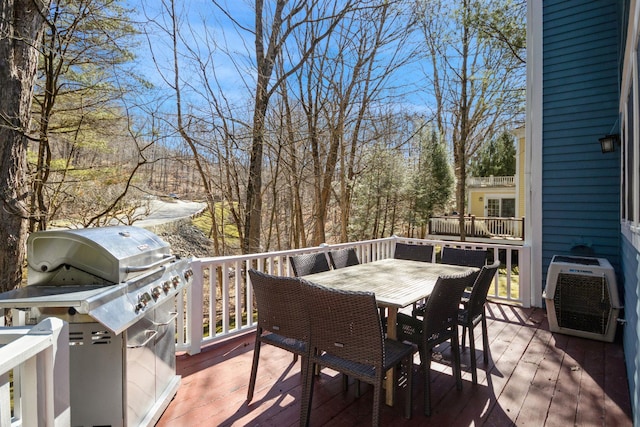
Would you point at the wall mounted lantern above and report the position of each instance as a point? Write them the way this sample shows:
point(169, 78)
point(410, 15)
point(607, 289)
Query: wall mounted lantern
point(608, 143)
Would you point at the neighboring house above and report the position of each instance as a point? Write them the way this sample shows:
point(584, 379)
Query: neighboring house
point(499, 196)
point(496, 206)
point(582, 72)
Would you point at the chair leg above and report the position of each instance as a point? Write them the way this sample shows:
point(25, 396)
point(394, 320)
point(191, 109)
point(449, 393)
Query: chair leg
point(254, 367)
point(464, 334)
point(485, 339)
point(377, 398)
point(424, 355)
point(307, 393)
point(426, 364)
point(409, 387)
point(472, 354)
point(345, 383)
point(455, 349)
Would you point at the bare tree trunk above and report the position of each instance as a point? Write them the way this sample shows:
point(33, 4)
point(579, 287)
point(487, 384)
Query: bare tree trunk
point(21, 28)
point(186, 136)
point(298, 237)
point(265, 62)
point(281, 28)
point(461, 143)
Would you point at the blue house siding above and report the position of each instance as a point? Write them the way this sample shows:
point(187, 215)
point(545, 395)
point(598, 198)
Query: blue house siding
point(631, 332)
point(580, 185)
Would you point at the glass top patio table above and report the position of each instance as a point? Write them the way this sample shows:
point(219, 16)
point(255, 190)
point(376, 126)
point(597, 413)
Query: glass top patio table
point(396, 283)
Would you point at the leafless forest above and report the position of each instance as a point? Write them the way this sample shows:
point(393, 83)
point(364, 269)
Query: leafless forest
point(298, 122)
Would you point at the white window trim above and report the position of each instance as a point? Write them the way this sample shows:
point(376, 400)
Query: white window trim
point(631, 229)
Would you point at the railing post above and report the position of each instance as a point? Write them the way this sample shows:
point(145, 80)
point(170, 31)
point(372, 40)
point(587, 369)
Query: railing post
point(53, 368)
point(524, 264)
point(195, 322)
point(473, 226)
point(41, 394)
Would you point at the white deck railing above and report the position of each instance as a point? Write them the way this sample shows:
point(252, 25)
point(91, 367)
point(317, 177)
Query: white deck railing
point(219, 303)
point(217, 306)
point(38, 357)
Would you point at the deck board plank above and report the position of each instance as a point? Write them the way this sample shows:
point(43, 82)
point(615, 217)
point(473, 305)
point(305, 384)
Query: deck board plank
point(541, 389)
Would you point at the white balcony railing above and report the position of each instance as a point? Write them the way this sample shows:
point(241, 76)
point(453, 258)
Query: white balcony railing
point(38, 358)
point(478, 227)
point(491, 181)
point(219, 304)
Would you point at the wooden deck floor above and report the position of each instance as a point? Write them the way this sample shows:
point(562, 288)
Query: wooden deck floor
point(534, 378)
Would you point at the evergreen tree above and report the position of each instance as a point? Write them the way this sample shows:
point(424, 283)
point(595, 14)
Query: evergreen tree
point(496, 158)
point(432, 184)
point(85, 69)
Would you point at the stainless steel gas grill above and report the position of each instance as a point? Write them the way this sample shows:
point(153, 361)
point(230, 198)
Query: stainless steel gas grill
point(117, 288)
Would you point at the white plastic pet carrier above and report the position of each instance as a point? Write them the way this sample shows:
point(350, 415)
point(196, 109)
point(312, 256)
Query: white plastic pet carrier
point(582, 297)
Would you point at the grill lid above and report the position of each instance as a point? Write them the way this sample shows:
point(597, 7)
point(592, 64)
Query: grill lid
point(113, 254)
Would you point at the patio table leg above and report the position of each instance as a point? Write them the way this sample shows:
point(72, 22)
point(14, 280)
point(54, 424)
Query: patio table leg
point(392, 320)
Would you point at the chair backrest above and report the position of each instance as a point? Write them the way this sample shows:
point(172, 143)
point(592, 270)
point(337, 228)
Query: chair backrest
point(309, 263)
point(343, 258)
point(281, 305)
point(465, 257)
point(345, 324)
point(481, 288)
point(413, 252)
point(441, 310)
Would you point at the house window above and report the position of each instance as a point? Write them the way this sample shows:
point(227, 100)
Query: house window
point(493, 207)
point(508, 208)
point(501, 207)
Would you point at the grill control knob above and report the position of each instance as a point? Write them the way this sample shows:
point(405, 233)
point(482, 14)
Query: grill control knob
point(143, 300)
point(156, 292)
point(176, 281)
point(188, 273)
point(166, 286)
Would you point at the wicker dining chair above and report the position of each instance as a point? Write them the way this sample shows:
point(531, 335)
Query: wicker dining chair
point(346, 336)
point(464, 257)
point(341, 258)
point(439, 324)
point(473, 312)
point(456, 256)
point(282, 318)
point(413, 252)
point(309, 263)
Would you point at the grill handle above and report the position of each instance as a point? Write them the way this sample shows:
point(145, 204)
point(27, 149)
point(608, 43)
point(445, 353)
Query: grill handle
point(149, 266)
point(173, 314)
point(152, 335)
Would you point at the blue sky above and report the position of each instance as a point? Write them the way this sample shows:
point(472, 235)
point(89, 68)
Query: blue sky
point(226, 49)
